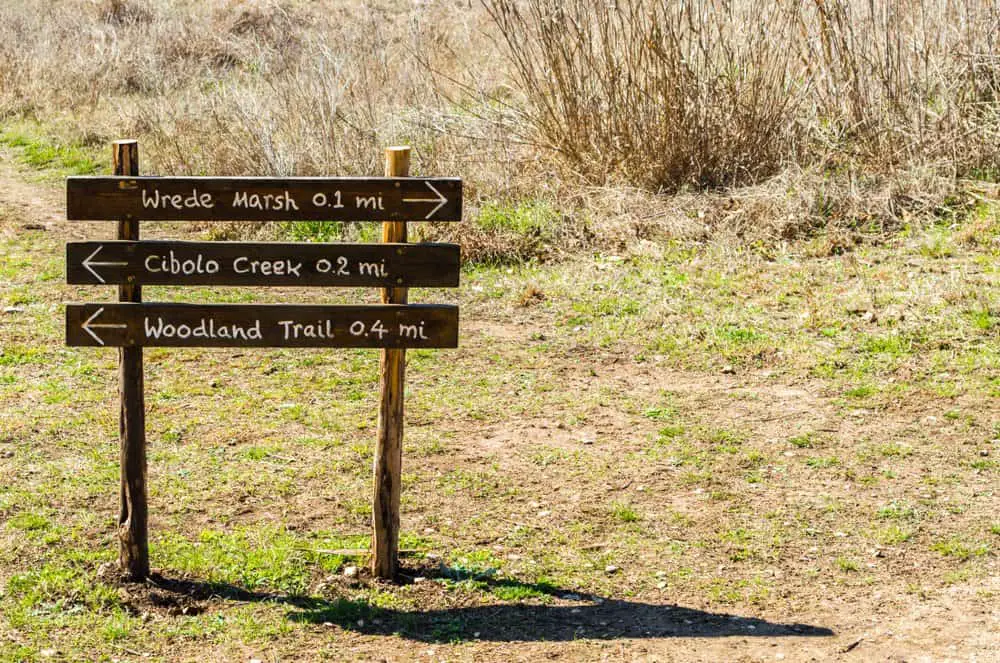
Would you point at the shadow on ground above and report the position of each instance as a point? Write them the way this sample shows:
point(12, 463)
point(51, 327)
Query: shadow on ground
point(582, 617)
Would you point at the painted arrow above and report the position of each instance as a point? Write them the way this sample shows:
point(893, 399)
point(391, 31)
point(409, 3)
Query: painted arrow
point(89, 325)
point(440, 200)
point(89, 264)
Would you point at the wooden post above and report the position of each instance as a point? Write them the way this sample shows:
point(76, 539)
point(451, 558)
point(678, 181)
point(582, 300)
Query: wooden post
point(133, 534)
point(389, 444)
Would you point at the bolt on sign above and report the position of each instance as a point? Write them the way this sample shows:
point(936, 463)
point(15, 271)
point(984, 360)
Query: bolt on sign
point(131, 324)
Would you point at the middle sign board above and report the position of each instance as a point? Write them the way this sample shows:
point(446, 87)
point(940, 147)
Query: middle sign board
point(262, 263)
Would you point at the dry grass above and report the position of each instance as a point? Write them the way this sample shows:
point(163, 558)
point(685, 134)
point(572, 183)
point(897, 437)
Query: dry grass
point(721, 93)
point(832, 117)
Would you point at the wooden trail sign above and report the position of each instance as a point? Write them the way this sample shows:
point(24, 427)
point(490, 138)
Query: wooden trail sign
point(262, 263)
point(264, 198)
point(262, 325)
point(394, 265)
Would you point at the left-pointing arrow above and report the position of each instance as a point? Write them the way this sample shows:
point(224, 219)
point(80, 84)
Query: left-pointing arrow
point(89, 325)
point(89, 263)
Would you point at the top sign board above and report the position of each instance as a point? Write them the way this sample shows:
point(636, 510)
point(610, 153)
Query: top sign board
point(264, 198)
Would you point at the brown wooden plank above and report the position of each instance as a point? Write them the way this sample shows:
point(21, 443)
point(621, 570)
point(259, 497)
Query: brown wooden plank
point(262, 264)
point(264, 198)
point(262, 325)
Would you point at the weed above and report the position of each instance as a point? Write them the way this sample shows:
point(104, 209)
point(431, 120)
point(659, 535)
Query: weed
point(821, 463)
point(959, 548)
point(847, 565)
point(624, 512)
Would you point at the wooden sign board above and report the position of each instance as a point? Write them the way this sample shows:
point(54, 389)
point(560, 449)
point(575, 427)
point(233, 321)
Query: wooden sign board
point(264, 198)
point(262, 264)
point(262, 325)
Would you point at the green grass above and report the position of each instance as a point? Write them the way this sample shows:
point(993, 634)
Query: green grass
point(847, 565)
point(531, 217)
point(822, 463)
point(960, 548)
point(624, 512)
point(45, 153)
point(594, 427)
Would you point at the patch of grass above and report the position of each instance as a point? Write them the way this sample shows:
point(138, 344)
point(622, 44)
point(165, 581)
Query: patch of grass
point(661, 413)
point(803, 441)
point(847, 565)
point(893, 345)
point(516, 591)
point(43, 153)
point(529, 217)
point(29, 522)
point(959, 548)
point(897, 511)
point(624, 512)
point(670, 432)
point(821, 463)
point(893, 535)
point(861, 391)
point(983, 319)
point(264, 557)
point(895, 450)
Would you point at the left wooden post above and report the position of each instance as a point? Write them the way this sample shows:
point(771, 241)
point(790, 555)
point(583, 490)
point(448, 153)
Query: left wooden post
point(133, 532)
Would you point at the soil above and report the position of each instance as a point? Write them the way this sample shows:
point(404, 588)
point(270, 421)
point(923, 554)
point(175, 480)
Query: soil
point(818, 621)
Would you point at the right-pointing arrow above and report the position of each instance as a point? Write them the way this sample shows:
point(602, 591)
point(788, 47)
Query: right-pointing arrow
point(440, 200)
point(89, 265)
point(89, 325)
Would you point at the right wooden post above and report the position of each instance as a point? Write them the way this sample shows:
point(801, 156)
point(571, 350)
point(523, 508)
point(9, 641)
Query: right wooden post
point(389, 444)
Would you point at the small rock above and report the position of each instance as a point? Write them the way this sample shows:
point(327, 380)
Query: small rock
point(361, 622)
point(571, 597)
point(475, 634)
point(6, 454)
point(13, 309)
point(661, 585)
point(728, 370)
point(984, 452)
point(48, 653)
point(611, 568)
point(351, 571)
point(419, 579)
point(544, 514)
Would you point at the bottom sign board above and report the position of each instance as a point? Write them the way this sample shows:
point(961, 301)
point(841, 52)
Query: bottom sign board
point(262, 325)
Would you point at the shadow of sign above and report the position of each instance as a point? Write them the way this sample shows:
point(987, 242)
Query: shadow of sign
point(589, 617)
point(609, 620)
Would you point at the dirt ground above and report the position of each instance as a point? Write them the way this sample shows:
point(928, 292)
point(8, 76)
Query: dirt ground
point(770, 558)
